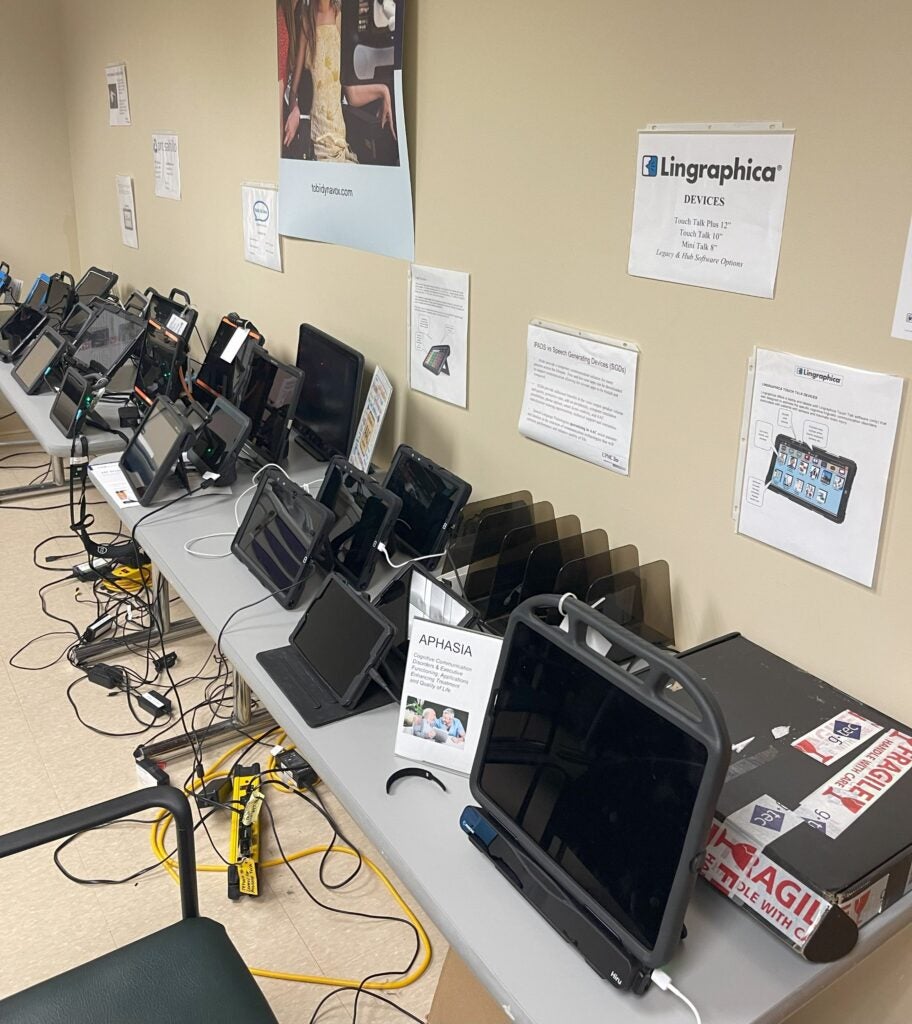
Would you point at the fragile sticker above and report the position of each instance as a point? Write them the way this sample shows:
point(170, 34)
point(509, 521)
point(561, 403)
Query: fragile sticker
point(842, 800)
point(837, 737)
point(866, 904)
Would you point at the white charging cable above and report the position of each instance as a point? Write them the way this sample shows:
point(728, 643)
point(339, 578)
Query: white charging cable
point(381, 547)
point(663, 981)
point(189, 547)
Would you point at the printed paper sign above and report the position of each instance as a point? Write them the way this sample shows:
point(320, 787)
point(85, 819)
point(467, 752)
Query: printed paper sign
point(439, 333)
point(372, 417)
point(709, 208)
point(118, 97)
point(126, 208)
point(814, 484)
point(176, 324)
point(230, 351)
point(837, 737)
point(109, 477)
point(166, 166)
point(448, 677)
point(842, 800)
point(261, 225)
point(579, 394)
point(902, 315)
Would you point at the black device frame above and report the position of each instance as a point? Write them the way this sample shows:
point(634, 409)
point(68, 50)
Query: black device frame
point(811, 451)
point(34, 386)
point(438, 354)
point(705, 724)
point(405, 453)
point(110, 280)
point(226, 374)
point(100, 307)
point(18, 343)
point(159, 340)
point(149, 484)
point(278, 450)
point(175, 303)
point(304, 434)
point(313, 544)
point(338, 470)
point(227, 466)
point(71, 427)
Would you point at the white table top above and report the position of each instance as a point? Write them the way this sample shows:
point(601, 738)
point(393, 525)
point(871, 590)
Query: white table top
point(733, 970)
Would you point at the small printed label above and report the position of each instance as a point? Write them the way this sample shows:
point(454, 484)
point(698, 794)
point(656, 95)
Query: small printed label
point(837, 737)
point(247, 878)
point(231, 350)
point(763, 821)
point(177, 324)
point(867, 904)
point(845, 797)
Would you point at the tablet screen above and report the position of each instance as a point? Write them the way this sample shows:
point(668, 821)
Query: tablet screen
point(268, 399)
point(66, 404)
point(158, 435)
point(430, 500)
point(811, 478)
point(92, 285)
point(328, 405)
point(108, 340)
point(338, 636)
point(36, 360)
point(20, 326)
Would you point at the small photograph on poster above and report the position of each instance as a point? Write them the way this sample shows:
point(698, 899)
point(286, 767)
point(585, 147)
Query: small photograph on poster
point(816, 460)
point(436, 725)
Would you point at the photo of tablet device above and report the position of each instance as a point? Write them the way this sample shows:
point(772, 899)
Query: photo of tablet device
point(155, 449)
point(330, 402)
point(108, 340)
point(282, 533)
point(432, 498)
point(364, 513)
point(30, 372)
point(71, 403)
point(812, 478)
point(436, 360)
point(219, 440)
point(269, 396)
point(414, 593)
point(332, 656)
point(25, 324)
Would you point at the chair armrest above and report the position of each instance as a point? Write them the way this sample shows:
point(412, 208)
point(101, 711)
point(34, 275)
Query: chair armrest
point(165, 797)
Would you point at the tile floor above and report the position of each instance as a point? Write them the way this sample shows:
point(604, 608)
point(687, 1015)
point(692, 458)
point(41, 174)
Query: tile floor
point(60, 924)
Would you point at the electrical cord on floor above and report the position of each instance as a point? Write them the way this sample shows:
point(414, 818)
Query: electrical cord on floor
point(663, 981)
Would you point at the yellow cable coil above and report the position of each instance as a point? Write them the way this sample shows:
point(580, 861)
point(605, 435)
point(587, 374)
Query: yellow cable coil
point(157, 839)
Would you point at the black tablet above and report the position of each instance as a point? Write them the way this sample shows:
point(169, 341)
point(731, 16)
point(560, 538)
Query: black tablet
point(76, 320)
point(154, 450)
point(71, 403)
point(342, 638)
point(269, 396)
point(327, 412)
point(432, 498)
point(95, 284)
point(219, 440)
point(162, 359)
point(109, 339)
point(25, 324)
point(59, 297)
point(436, 360)
point(414, 593)
point(283, 531)
point(220, 372)
point(812, 478)
point(31, 371)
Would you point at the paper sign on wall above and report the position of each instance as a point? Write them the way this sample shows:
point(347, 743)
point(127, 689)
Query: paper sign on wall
point(709, 208)
point(579, 394)
point(372, 416)
point(118, 97)
point(438, 333)
point(816, 453)
point(126, 211)
point(902, 315)
point(166, 166)
point(261, 225)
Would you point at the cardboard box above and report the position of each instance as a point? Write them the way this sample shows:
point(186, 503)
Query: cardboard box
point(813, 834)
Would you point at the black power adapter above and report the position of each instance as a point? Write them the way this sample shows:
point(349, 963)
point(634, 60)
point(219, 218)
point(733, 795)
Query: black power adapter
point(157, 704)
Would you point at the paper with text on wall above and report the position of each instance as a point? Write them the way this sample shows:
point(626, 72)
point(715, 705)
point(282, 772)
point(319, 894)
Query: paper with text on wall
point(118, 96)
point(166, 166)
point(579, 394)
point(260, 205)
point(439, 333)
point(448, 678)
point(372, 415)
point(902, 314)
point(709, 208)
point(126, 210)
point(816, 458)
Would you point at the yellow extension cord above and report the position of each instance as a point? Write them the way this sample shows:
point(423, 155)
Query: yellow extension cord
point(157, 839)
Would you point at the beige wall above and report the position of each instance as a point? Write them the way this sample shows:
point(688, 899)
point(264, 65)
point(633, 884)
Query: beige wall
point(522, 119)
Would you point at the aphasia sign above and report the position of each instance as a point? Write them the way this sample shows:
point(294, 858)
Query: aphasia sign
point(344, 168)
point(709, 208)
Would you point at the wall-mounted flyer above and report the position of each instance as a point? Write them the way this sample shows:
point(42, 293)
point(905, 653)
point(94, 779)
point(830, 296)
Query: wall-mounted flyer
point(448, 679)
point(260, 207)
point(816, 453)
point(709, 208)
point(118, 97)
point(126, 210)
point(439, 333)
point(372, 416)
point(166, 166)
point(579, 394)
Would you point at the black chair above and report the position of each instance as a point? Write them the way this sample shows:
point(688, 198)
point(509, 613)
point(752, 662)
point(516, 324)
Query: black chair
point(188, 971)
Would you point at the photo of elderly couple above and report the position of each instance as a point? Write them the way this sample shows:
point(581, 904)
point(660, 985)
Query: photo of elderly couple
point(436, 724)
